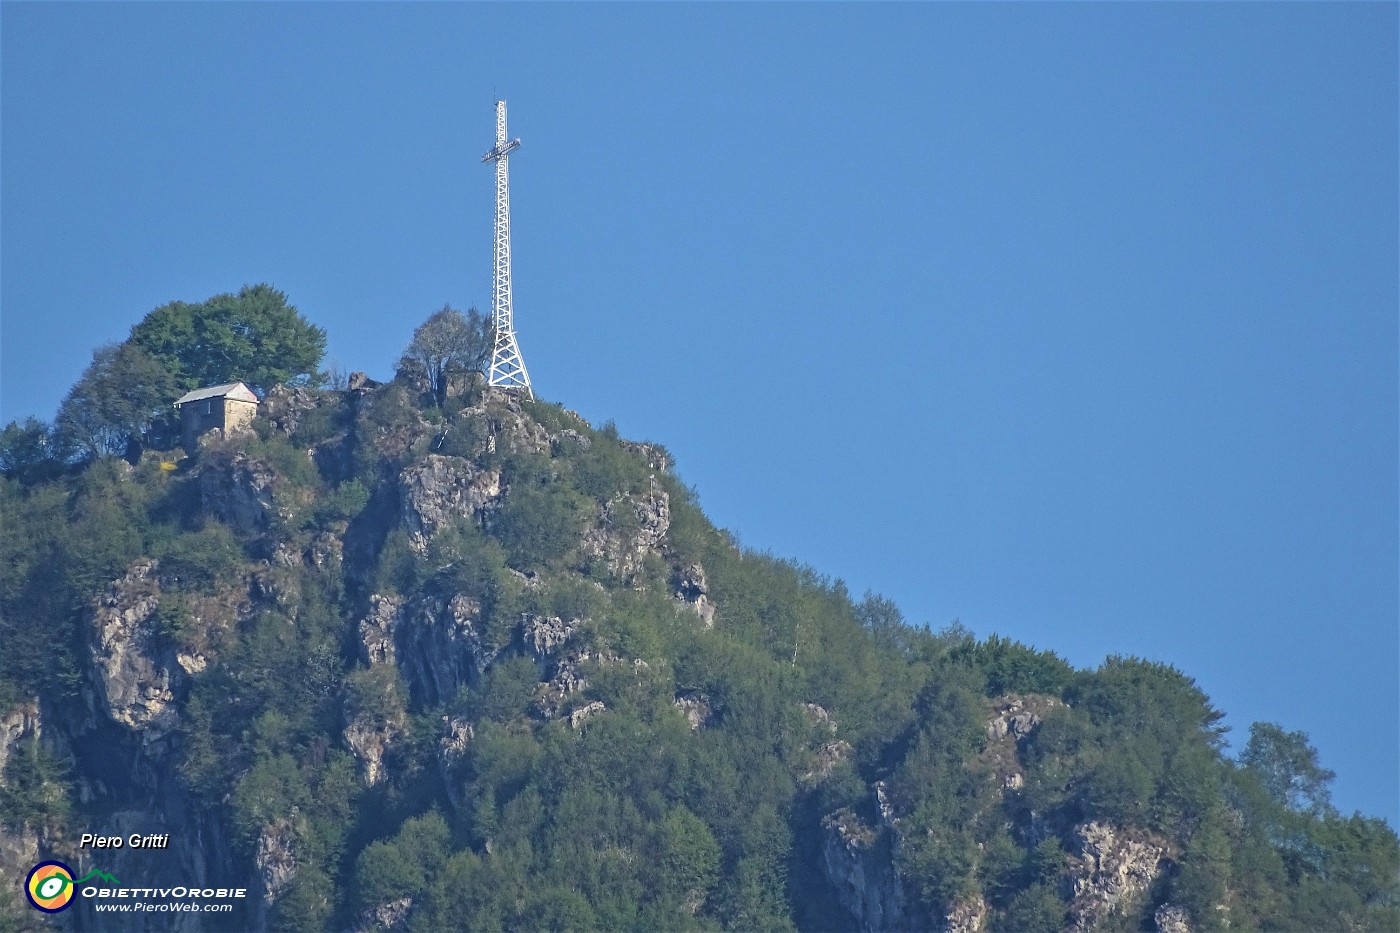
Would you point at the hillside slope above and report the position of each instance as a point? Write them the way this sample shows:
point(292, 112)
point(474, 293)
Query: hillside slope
point(485, 666)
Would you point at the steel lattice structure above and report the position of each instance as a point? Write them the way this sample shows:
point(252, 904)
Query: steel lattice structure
point(507, 365)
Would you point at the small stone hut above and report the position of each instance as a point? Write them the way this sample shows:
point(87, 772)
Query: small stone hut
point(224, 408)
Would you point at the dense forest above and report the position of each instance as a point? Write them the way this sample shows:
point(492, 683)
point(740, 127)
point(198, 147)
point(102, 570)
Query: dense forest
point(428, 655)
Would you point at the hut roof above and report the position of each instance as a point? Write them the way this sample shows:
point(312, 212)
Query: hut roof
point(236, 390)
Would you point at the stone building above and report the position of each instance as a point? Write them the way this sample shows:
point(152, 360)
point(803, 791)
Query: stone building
point(223, 408)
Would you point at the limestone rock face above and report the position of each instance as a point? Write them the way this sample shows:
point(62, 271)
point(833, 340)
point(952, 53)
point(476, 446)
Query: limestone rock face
point(369, 739)
point(391, 915)
point(654, 455)
point(820, 719)
point(584, 713)
point(628, 529)
point(692, 590)
point(19, 850)
point(435, 641)
point(286, 406)
point(452, 748)
point(275, 859)
point(695, 709)
point(967, 915)
point(542, 634)
point(453, 745)
point(856, 860)
point(1013, 719)
point(439, 490)
point(238, 489)
point(19, 845)
point(510, 427)
point(1171, 919)
point(553, 695)
point(18, 724)
point(569, 441)
point(827, 757)
point(378, 628)
point(135, 677)
point(1109, 872)
point(326, 551)
point(1017, 716)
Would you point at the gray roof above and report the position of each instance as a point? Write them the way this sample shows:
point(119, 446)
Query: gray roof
point(229, 390)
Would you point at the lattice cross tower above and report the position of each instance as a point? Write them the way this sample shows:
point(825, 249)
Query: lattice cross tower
point(507, 365)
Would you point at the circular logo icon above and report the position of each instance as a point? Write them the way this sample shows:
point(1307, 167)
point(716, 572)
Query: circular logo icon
point(49, 886)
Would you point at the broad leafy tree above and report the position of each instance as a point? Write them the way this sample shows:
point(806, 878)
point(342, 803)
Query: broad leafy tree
point(255, 337)
point(1286, 764)
point(122, 397)
point(26, 450)
point(447, 345)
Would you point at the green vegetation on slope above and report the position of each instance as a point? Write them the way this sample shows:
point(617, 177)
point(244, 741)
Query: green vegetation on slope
point(370, 701)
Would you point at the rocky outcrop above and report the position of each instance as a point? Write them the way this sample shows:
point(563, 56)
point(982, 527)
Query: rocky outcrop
point(692, 591)
point(286, 406)
point(1017, 716)
point(827, 757)
point(856, 860)
point(457, 734)
point(543, 634)
point(435, 641)
point(369, 738)
point(391, 915)
point(438, 491)
point(511, 429)
point(18, 724)
point(1110, 870)
point(19, 850)
point(696, 710)
point(275, 860)
point(554, 694)
point(654, 456)
point(628, 529)
point(134, 673)
point(966, 915)
point(378, 628)
point(238, 489)
point(1171, 919)
point(569, 441)
point(19, 845)
point(1013, 719)
point(819, 718)
point(584, 713)
point(326, 552)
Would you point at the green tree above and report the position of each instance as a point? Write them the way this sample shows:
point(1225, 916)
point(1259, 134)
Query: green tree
point(307, 903)
point(542, 519)
point(447, 345)
point(1287, 766)
point(26, 451)
point(688, 857)
point(122, 398)
point(254, 336)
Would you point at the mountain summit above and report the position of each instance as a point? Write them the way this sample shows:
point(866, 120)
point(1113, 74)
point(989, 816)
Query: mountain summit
point(418, 656)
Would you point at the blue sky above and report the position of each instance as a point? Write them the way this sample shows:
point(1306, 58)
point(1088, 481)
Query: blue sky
point(1077, 323)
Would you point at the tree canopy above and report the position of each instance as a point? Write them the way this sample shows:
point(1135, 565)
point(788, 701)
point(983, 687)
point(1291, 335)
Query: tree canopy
point(254, 336)
point(1286, 764)
point(119, 399)
point(447, 344)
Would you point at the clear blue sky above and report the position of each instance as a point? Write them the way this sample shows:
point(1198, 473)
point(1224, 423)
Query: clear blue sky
point(1077, 323)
